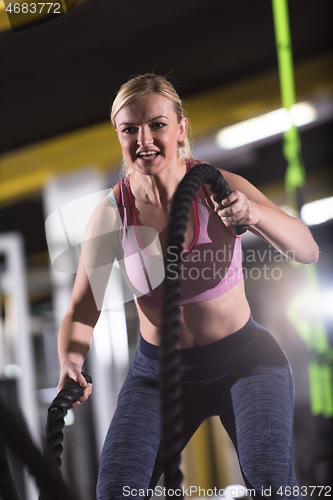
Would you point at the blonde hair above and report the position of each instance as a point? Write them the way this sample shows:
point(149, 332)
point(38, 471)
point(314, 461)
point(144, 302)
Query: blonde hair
point(149, 84)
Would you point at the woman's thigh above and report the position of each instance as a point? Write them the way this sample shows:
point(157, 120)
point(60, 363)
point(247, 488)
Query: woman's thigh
point(131, 462)
point(132, 441)
point(260, 423)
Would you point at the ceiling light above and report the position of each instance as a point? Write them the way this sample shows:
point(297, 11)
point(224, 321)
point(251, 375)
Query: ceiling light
point(317, 212)
point(266, 125)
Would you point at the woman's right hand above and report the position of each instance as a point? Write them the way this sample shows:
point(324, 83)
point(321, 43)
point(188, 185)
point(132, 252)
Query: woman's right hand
point(72, 371)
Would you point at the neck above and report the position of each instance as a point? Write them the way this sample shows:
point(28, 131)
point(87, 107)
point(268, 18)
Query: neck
point(159, 188)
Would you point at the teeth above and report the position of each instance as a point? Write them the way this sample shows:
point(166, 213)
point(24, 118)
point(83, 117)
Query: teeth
point(148, 153)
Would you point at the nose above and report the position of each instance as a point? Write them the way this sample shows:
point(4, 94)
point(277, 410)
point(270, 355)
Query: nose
point(144, 137)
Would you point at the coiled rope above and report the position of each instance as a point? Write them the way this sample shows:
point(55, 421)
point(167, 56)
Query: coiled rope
point(57, 411)
point(14, 433)
point(55, 422)
point(44, 467)
point(169, 356)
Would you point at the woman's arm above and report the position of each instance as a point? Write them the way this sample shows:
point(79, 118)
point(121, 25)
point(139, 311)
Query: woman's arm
point(249, 206)
point(76, 330)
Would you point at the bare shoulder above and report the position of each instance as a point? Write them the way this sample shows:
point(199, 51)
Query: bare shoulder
point(232, 179)
point(238, 183)
point(105, 218)
point(115, 191)
point(235, 182)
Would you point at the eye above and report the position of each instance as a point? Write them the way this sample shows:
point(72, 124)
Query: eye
point(158, 125)
point(128, 130)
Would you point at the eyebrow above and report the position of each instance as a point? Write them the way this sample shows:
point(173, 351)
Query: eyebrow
point(151, 120)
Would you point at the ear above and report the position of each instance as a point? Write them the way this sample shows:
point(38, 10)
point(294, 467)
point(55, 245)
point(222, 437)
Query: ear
point(182, 130)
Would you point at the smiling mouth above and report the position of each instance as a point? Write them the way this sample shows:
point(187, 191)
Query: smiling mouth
point(148, 155)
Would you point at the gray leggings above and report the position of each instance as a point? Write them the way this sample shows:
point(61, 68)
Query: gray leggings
point(245, 379)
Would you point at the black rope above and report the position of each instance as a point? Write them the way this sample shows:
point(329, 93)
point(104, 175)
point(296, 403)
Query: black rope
point(44, 467)
point(55, 422)
point(170, 390)
point(57, 411)
point(14, 432)
point(8, 491)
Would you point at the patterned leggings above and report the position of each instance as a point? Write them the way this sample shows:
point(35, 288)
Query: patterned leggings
point(244, 378)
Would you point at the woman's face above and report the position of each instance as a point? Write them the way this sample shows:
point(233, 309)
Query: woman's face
point(149, 133)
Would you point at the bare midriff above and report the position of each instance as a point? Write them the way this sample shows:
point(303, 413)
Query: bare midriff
point(201, 322)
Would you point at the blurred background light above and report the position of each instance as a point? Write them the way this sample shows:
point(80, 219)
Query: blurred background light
point(266, 125)
point(325, 303)
point(318, 211)
point(69, 418)
point(12, 371)
point(235, 491)
point(318, 304)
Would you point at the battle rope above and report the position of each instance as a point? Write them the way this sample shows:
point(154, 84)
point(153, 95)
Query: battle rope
point(14, 432)
point(170, 390)
point(45, 468)
point(55, 422)
point(8, 490)
point(57, 411)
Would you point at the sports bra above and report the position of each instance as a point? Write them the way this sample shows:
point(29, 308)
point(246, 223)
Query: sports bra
point(209, 268)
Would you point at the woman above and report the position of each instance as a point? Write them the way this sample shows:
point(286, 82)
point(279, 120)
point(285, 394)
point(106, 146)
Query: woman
point(230, 366)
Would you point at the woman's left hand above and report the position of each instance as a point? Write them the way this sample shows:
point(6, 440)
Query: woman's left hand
point(239, 210)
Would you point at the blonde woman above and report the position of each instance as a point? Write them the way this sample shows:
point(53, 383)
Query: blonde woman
point(230, 365)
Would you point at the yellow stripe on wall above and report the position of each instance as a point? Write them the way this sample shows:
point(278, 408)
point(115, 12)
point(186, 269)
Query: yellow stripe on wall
point(26, 170)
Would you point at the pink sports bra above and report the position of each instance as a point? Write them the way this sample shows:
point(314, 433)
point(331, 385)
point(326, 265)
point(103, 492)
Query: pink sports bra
point(209, 268)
